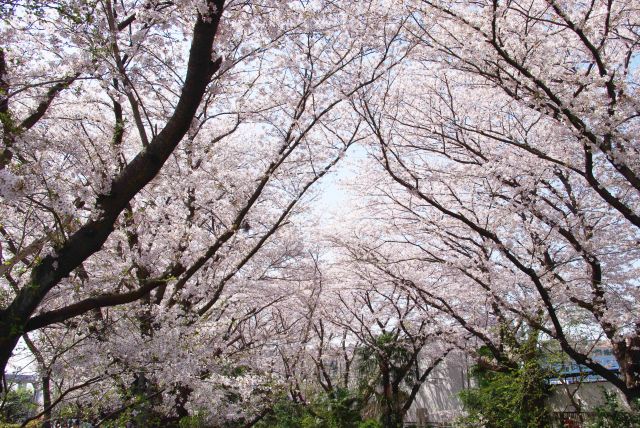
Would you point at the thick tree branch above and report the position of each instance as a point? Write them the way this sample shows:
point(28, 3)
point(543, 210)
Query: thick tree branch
point(136, 175)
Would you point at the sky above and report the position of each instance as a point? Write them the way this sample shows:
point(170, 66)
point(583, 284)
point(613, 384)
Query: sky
point(334, 197)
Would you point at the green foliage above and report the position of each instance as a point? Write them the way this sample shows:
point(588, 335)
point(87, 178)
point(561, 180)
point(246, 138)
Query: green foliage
point(139, 412)
point(513, 397)
point(7, 121)
point(18, 405)
point(194, 421)
point(339, 409)
point(612, 415)
point(285, 413)
point(383, 366)
point(387, 350)
point(369, 423)
point(139, 418)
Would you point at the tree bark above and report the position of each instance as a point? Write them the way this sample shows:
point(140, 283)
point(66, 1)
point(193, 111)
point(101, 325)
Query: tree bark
point(627, 352)
point(46, 400)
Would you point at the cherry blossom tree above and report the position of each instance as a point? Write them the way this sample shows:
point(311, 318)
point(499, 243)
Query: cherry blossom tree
point(73, 243)
point(158, 164)
point(135, 257)
point(509, 148)
point(400, 347)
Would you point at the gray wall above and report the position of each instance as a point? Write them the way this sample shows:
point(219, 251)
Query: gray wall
point(438, 399)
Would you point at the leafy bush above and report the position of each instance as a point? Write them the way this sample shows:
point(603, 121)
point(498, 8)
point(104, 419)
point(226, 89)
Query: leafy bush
point(194, 421)
point(339, 409)
point(18, 405)
point(369, 423)
point(511, 399)
point(612, 415)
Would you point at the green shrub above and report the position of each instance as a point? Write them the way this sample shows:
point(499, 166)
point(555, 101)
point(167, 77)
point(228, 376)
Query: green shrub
point(612, 415)
point(194, 421)
point(510, 399)
point(18, 405)
point(339, 409)
point(513, 396)
point(369, 423)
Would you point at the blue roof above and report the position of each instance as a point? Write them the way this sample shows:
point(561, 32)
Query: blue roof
point(572, 372)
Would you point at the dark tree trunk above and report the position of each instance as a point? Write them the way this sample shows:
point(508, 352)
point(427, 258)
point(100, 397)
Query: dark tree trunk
point(46, 400)
point(182, 397)
point(627, 352)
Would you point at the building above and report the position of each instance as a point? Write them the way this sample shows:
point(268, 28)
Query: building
point(437, 402)
point(576, 390)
